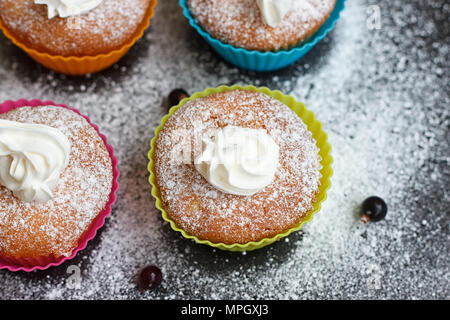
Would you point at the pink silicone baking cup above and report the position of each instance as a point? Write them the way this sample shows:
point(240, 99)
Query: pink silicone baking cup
point(43, 263)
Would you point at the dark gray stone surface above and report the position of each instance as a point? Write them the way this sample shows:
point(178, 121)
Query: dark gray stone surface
point(383, 97)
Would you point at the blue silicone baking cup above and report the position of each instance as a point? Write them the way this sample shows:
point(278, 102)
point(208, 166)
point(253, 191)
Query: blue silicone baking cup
point(267, 60)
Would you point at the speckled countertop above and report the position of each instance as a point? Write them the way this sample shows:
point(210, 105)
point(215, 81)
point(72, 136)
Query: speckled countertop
point(383, 97)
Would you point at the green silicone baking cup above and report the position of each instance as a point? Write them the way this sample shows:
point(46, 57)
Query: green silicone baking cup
point(318, 134)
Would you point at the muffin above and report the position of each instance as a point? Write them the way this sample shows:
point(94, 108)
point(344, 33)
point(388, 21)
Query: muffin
point(57, 178)
point(236, 166)
point(262, 35)
point(88, 29)
point(241, 23)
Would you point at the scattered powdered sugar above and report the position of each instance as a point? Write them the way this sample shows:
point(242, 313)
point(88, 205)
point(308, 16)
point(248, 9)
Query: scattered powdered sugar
point(239, 22)
point(102, 29)
point(202, 210)
point(55, 226)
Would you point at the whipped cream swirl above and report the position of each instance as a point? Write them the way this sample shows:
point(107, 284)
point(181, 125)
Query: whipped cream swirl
point(68, 8)
point(273, 11)
point(32, 157)
point(239, 161)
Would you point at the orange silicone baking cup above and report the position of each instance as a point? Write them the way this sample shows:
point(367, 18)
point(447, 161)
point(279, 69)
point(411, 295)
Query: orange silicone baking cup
point(73, 65)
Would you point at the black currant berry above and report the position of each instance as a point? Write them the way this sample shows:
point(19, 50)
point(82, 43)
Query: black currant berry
point(176, 96)
point(373, 209)
point(149, 278)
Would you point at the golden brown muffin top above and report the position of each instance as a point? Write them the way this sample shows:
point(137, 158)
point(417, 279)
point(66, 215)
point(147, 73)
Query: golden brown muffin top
point(55, 226)
point(103, 29)
point(239, 22)
point(202, 210)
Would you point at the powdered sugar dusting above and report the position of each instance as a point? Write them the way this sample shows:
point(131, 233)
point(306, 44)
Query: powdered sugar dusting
point(201, 209)
point(239, 22)
point(54, 227)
